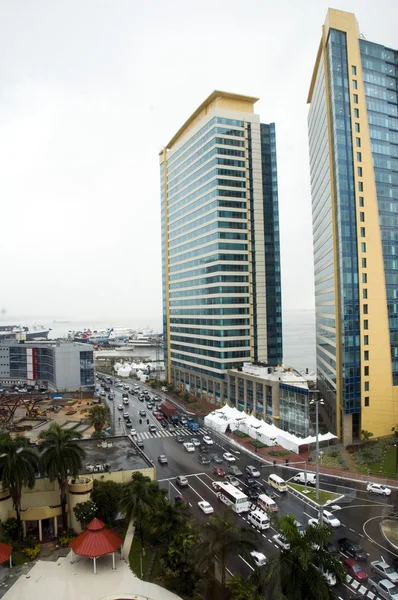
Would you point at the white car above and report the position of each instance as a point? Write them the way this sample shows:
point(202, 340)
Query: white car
point(206, 507)
point(377, 488)
point(233, 480)
point(280, 541)
point(328, 519)
point(120, 406)
point(189, 447)
point(384, 570)
point(207, 440)
point(229, 457)
point(133, 432)
point(195, 441)
point(252, 471)
point(259, 558)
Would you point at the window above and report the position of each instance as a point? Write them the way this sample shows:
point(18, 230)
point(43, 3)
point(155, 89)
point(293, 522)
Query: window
point(360, 174)
point(366, 324)
point(362, 231)
point(366, 355)
point(366, 388)
point(361, 201)
point(355, 84)
point(364, 278)
point(360, 183)
point(366, 400)
point(359, 156)
point(363, 246)
point(353, 70)
point(365, 294)
point(357, 127)
point(365, 309)
point(362, 217)
point(366, 340)
point(366, 371)
point(355, 98)
point(364, 263)
point(358, 142)
point(356, 113)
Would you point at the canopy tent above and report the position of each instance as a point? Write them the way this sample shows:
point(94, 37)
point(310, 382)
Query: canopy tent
point(96, 541)
point(5, 553)
point(258, 429)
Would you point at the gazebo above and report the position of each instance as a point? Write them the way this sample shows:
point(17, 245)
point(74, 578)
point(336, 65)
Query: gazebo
point(96, 541)
point(5, 553)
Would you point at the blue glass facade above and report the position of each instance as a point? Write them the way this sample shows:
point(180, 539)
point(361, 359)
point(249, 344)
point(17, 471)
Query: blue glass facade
point(209, 283)
point(380, 76)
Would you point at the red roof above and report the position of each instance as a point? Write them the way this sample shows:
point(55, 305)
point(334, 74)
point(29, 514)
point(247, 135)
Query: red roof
point(5, 552)
point(97, 540)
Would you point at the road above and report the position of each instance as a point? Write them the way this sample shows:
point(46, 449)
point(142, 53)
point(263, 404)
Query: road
point(359, 514)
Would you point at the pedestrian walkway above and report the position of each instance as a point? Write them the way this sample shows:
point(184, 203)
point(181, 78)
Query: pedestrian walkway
point(145, 435)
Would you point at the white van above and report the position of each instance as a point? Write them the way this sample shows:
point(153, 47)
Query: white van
point(266, 503)
point(277, 482)
point(305, 478)
point(258, 519)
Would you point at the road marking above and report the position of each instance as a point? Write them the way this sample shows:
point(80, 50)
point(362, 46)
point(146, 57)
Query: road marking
point(351, 529)
point(362, 590)
point(245, 561)
point(355, 584)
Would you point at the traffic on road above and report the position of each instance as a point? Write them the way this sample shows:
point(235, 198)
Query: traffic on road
point(201, 468)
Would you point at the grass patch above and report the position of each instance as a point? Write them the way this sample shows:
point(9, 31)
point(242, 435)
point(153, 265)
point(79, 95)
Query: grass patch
point(258, 444)
point(19, 558)
point(310, 493)
point(135, 561)
point(240, 434)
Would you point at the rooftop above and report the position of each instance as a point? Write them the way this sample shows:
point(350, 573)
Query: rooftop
point(122, 455)
point(282, 373)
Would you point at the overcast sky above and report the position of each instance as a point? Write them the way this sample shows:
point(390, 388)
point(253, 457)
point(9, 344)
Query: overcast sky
point(91, 90)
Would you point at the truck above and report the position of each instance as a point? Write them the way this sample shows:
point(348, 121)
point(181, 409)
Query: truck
point(168, 409)
point(384, 588)
point(193, 426)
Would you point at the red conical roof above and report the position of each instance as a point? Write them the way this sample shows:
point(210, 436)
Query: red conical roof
point(97, 540)
point(5, 552)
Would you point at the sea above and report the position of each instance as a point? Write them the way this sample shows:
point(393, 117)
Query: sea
point(298, 333)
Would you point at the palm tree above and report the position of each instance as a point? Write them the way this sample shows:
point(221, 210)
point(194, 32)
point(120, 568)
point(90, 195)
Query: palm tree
point(241, 589)
point(137, 501)
point(18, 468)
point(168, 520)
point(61, 458)
point(220, 539)
point(99, 416)
point(296, 574)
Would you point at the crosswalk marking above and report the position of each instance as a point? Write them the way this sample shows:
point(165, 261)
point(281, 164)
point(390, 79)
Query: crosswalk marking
point(144, 435)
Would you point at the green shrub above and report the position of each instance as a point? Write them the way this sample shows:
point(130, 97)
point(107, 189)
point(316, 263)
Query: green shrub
point(258, 444)
point(65, 540)
point(10, 528)
point(31, 552)
point(240, 434)
point(279, 453)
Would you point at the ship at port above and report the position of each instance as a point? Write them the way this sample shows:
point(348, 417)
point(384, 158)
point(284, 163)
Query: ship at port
point(37, 332)
point(116, 337)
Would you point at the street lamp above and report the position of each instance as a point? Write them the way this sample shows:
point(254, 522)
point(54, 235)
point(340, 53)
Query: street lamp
point(317, 402)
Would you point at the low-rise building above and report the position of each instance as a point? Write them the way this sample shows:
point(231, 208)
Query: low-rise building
point(279, 395)
point(61, 366)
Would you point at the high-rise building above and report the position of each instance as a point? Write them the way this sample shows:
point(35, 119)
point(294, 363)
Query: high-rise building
point(220, 245)
point(353, 141)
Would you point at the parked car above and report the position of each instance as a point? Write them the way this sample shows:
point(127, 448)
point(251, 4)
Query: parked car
point(354, 569)
point(206, 507)
point(252, 471)
point(234, 470)
point(162, 459)
point(182, 481)
point(385, 570)
point(377, 488)
point(352, 549)
point(216, 458)
point(218, 472)
point(229, 457)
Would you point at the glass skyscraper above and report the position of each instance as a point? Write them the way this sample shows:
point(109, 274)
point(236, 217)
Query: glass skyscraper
point(220, 245)
point(353, 142)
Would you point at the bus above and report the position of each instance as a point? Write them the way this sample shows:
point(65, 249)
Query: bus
point(232, 497)
point(277, 482)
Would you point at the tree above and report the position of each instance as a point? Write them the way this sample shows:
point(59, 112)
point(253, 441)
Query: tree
point(241, 589)
point(18, 468)
point(222, 538)
point(180, 570)
point(61, 458)
point(85, 512)
point(168, 521)
point(107, 495)
point(366, 435)
point(99, 415)
point(296, 574)
point(137, 501)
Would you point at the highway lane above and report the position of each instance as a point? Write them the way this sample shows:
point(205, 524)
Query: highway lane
point(360, 516)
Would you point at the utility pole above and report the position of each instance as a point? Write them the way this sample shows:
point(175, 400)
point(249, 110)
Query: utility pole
point(317, 402)
point(114, 400)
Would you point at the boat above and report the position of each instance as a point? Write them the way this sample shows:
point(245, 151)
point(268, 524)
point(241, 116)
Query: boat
point(24, 333)
point(57, 321)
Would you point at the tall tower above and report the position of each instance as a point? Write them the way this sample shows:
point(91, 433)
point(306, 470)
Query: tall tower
point(353, 142)
point(220, 245)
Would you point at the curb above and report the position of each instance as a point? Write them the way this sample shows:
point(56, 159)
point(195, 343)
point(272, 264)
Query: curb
point(311, 502)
